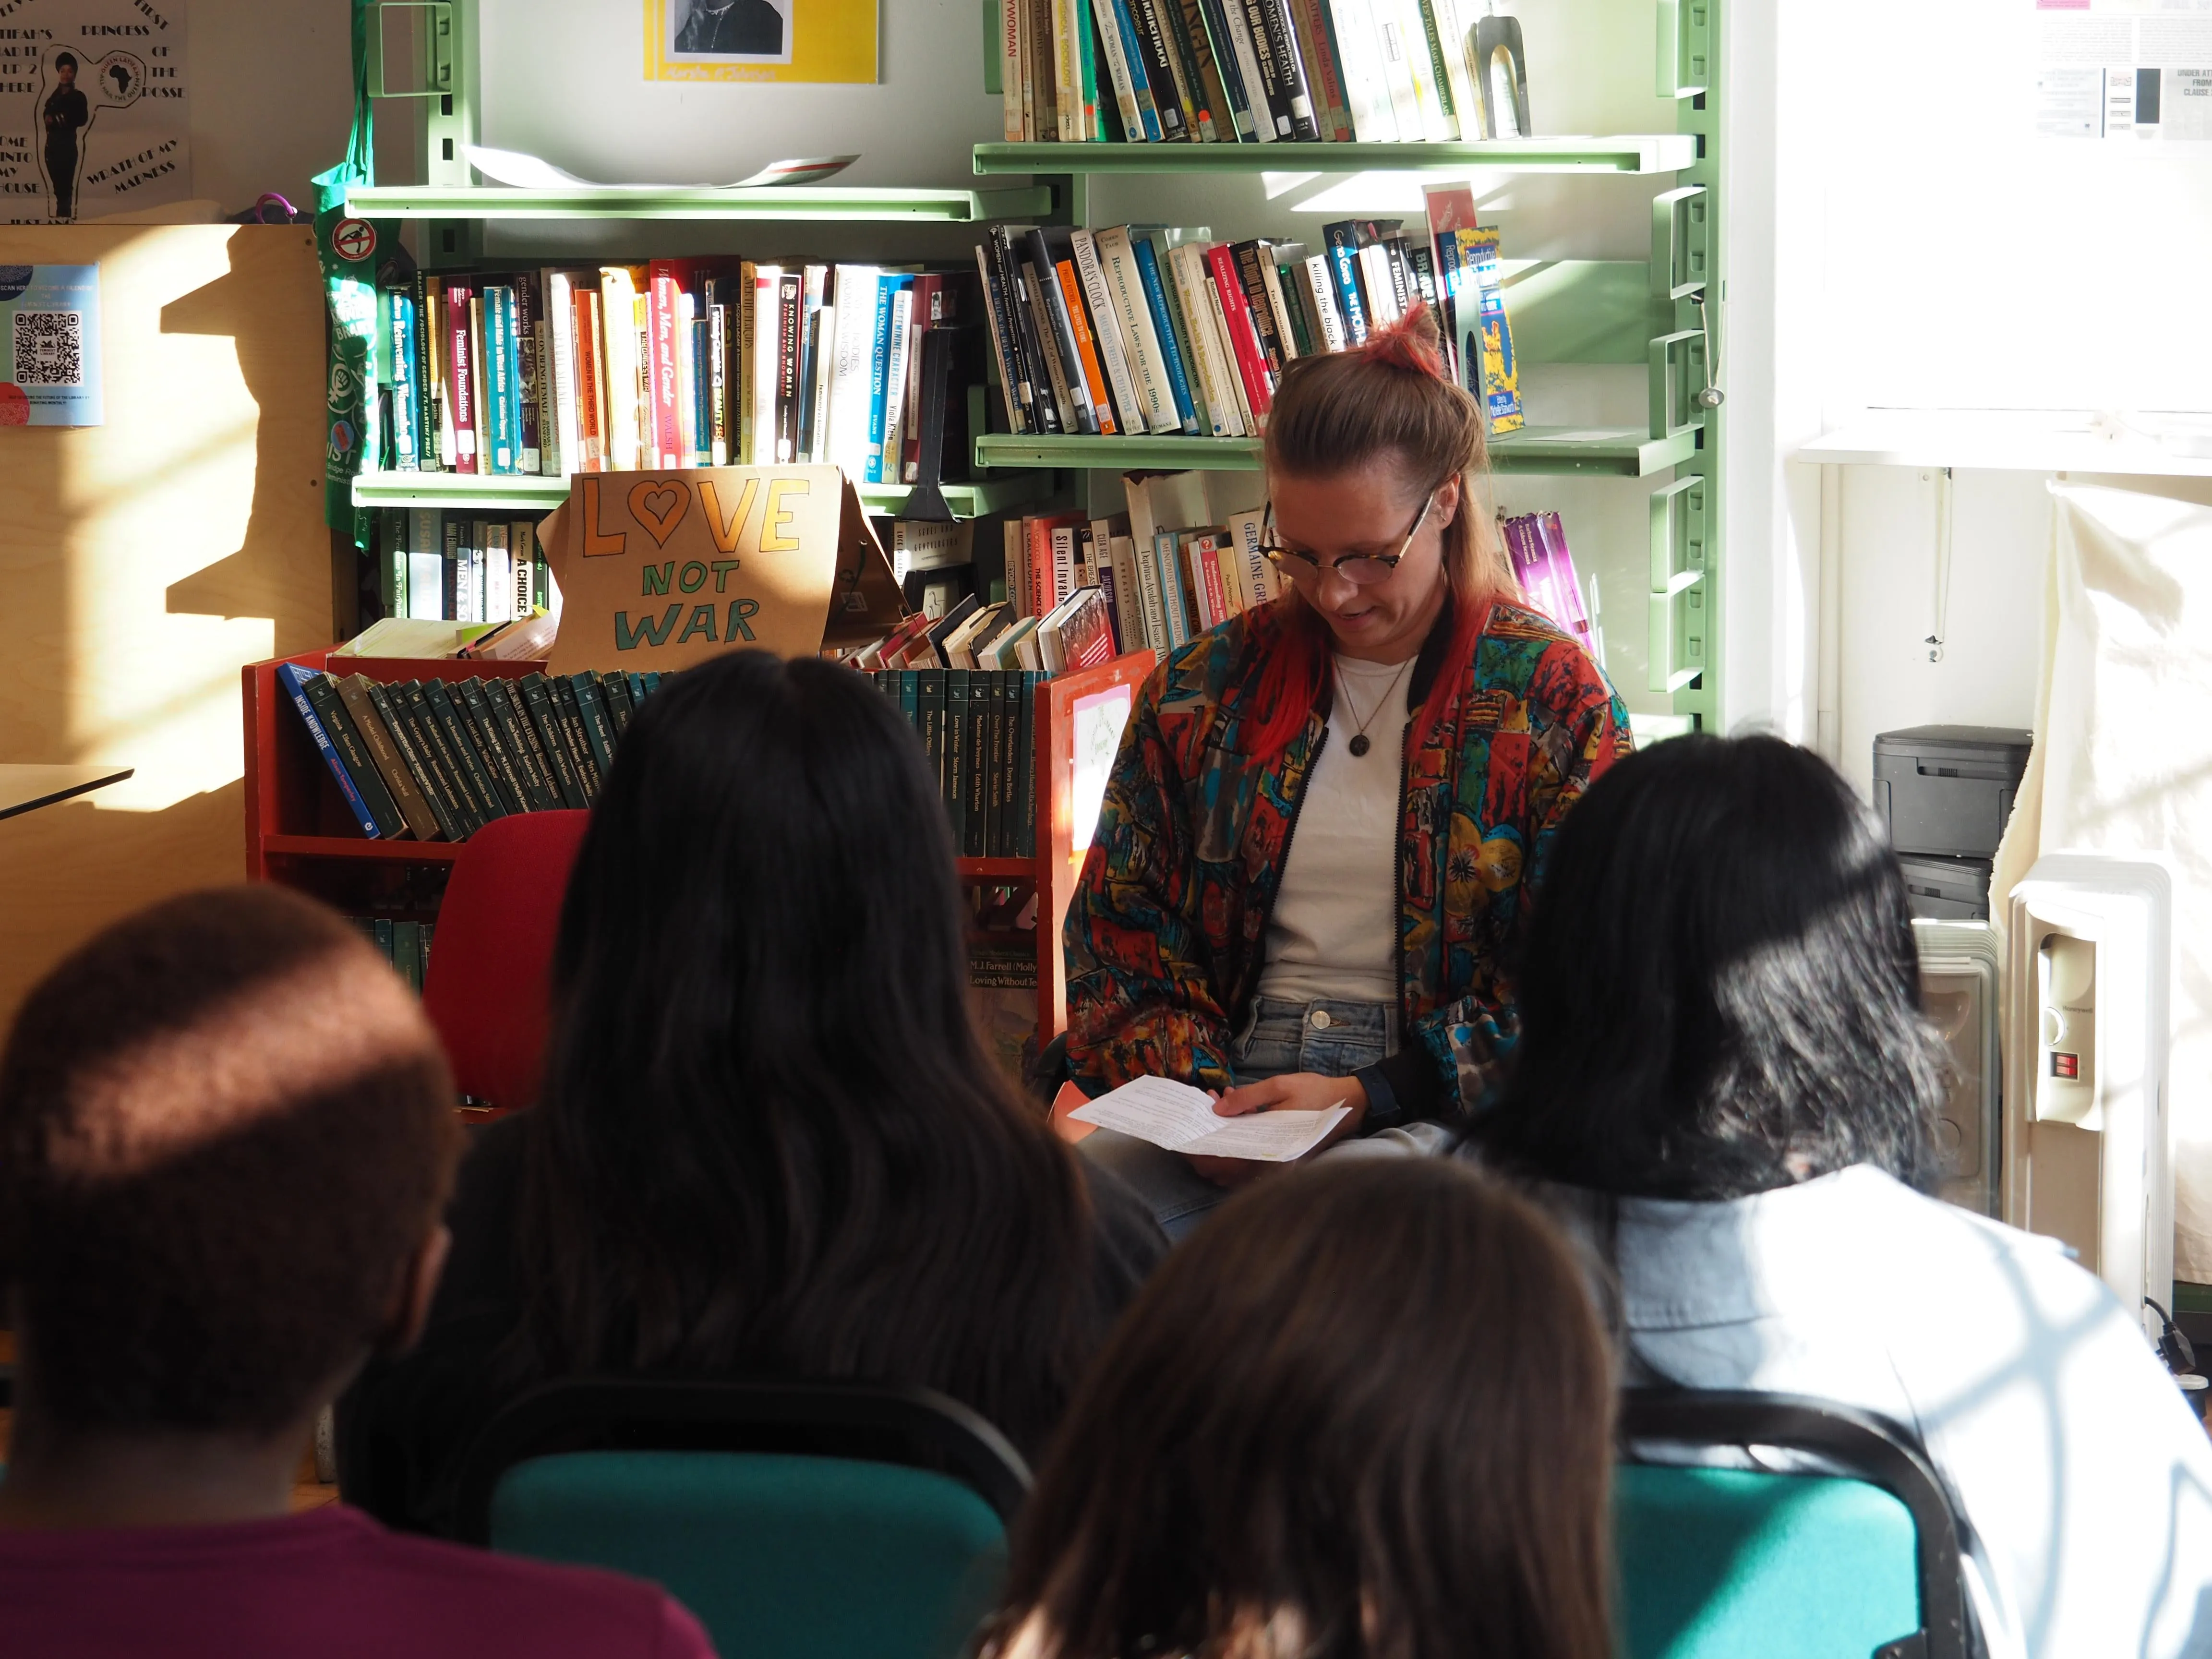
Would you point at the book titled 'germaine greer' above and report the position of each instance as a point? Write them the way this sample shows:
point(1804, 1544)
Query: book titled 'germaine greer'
point(49, 345)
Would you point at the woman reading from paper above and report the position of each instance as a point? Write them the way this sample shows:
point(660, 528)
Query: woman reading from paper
point(1321, 832)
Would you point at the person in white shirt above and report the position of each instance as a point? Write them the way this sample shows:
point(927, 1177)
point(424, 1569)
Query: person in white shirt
point(1725, 1083)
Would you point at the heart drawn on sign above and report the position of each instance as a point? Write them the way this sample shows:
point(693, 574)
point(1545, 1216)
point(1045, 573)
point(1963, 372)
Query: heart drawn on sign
point(659, 505)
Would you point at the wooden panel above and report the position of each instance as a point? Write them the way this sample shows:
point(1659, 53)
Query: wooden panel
point(144, 561)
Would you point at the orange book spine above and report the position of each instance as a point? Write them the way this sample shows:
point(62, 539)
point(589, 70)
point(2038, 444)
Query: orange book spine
point(1086, 347)
point(591, 433)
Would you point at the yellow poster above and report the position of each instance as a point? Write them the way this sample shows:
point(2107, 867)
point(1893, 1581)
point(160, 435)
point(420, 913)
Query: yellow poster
point(760, 39)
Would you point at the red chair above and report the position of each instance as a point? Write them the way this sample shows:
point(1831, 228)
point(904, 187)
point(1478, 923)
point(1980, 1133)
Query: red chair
point(491, 963)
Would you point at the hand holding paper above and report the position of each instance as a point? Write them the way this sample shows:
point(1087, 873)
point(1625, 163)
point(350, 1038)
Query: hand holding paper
point(1182, 1119)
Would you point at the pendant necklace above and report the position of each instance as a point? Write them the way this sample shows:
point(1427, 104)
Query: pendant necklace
point(1360, 744)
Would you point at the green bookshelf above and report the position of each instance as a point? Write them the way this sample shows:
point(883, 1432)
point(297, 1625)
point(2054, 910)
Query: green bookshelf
point(1595, 452)
point(1659, 152)
point(523, 494)
point(775, 203)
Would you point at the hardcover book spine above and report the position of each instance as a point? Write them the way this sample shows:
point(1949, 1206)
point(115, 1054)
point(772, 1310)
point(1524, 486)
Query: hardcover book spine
point(1206, 552)
point(460, 376)
point(1237, 320)
point(322, 692)
point(899, 345)
point(1025, 785)
point(664, 433)
point(406, 443)
point(788, 340)
point(958, 761)
point(436, 745)
point(1171, 595)
point(526, 313)
point(591, 386)
point(975, 822)
point(598, 721)
point(550, 748)
point(614, 691)
point(929, 700)
point(400, 729)
point(1320, 290)
point(292, 680)
point(432, 425)
point(1250, 266)
point(491, 743)
point(522, 746)
point(563, 422)
point(413, 811)
point(568, 714)
point(880, 354)
point(498, 388)
point(453, 720)
point(717, 382)
point(1153, 601)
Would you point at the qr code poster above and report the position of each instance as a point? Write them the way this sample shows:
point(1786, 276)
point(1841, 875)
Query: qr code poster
point(49, 345)
point(94, 111)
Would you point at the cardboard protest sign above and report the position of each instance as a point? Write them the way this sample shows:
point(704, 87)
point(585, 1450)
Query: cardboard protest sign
point(660, 570)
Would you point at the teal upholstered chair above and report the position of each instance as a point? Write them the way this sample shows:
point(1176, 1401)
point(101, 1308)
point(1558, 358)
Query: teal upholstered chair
point(1721, 1562)
point(810, 1521)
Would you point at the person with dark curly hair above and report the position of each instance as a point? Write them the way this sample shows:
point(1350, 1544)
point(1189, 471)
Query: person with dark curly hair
point(226, 1133)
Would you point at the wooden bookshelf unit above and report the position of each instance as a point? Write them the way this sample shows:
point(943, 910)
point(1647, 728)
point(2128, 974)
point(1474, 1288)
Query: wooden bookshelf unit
point(299, 833)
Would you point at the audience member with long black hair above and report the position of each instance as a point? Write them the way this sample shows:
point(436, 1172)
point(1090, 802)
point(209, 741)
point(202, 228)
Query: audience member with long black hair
point(771, 1142)
point(1724, 1078)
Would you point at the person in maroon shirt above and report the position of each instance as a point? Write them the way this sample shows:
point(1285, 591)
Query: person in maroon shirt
point(226, 1139)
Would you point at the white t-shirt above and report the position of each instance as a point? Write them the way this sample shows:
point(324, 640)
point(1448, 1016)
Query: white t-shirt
point(1333, 931)
point(2084, 1481)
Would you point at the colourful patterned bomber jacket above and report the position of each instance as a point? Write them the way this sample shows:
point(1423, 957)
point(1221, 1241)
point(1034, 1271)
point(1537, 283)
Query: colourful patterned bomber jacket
point(1166, 933)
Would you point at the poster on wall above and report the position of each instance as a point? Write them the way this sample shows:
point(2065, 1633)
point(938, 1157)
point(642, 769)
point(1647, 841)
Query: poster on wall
point(760, 39)
point(2127, 71)
point(95, 116)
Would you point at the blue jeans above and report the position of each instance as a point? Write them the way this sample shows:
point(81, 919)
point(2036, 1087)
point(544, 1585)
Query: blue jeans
point(1335, 1039)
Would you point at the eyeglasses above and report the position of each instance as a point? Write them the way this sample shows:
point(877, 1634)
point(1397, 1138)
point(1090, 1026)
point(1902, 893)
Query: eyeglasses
point(1361, 569)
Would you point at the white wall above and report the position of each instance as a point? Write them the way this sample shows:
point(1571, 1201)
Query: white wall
point(1913, 246)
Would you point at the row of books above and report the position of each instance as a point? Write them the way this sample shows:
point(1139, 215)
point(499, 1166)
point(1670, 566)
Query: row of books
point(436, 566)
point(1158, 584)
point(1536, 544)
point(1243, 71)
point(1136, 330)
point(670, 363)
point(404, 945)
point(438, 759)
point(979, 730)
point(974, 634)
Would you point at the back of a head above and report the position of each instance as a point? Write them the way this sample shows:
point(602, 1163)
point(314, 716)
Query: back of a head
point(225, 1129)
point(1720, 993)
point(1365, 1411)
point(765, 1092)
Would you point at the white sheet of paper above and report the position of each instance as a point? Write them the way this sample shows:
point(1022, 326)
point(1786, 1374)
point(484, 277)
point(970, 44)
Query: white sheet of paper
point(1182, 1119)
